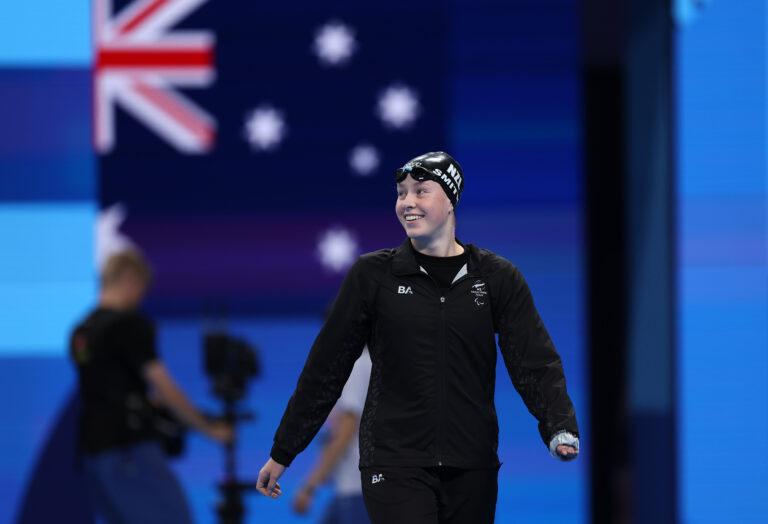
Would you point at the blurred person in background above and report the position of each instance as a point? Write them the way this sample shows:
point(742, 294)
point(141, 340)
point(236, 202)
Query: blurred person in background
point(121, 378)
point(340, 455)
point(429, 311)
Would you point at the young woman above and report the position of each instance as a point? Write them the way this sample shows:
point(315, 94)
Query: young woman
point(429, 311)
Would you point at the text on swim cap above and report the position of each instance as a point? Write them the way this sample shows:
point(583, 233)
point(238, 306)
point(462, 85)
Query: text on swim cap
point(455, 174)
point(449, 182)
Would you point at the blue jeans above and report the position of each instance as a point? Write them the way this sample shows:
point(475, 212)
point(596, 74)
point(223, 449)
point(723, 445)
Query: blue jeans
point(135, 485)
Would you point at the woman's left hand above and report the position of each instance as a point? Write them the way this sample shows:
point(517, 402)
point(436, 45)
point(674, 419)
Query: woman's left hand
point(567, 452)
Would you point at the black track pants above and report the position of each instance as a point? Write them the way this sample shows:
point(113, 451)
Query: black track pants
point(439, 495)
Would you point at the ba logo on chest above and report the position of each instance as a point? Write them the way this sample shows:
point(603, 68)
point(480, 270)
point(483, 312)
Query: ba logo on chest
point(404, 290)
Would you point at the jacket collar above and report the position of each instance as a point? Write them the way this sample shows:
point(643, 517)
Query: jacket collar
point(404, 260)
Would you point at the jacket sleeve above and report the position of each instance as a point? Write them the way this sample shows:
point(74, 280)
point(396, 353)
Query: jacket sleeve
point(530, 357)
point(329, 364)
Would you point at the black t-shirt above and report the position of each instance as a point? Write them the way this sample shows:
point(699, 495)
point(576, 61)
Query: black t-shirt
point(442, 269)
point(110, 348)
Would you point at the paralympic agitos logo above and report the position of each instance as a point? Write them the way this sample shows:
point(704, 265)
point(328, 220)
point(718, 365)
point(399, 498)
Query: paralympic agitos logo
point(479, 292)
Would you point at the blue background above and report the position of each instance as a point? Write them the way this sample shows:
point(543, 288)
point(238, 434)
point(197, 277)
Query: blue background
point(500, 92)
point(722, 305)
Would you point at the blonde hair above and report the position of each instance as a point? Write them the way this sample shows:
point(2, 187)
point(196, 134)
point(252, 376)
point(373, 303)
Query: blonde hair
point(119, 263)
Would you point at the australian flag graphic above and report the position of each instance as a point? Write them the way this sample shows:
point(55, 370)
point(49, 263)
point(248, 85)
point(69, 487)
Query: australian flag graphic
point(249, 147)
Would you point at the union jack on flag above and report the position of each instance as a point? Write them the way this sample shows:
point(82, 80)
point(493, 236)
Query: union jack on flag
point(138, 63)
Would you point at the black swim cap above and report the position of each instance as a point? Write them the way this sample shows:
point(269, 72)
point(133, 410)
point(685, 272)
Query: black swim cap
point(437, 166)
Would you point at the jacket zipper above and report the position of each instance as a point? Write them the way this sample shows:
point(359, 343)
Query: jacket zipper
point(442, 394)
point(441, 401)
point(444, 365)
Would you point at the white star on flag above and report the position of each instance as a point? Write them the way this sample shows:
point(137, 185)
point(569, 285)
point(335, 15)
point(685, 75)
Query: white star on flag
point(334, 44)
point(337, 249)
point(398, 106)
point(264, 128)
point(109, 239)
point(364, 159)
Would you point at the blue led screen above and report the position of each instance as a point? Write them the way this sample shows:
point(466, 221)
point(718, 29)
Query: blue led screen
point(722, 305)
point(252, 166)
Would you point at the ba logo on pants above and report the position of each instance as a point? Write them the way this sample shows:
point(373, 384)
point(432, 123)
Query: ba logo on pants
point(377, 478)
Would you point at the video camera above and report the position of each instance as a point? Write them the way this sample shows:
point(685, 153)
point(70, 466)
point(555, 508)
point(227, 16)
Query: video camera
point(230, 363)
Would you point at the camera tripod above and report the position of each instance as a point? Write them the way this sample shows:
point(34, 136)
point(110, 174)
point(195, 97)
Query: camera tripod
point(231, 363)
point(230, 508)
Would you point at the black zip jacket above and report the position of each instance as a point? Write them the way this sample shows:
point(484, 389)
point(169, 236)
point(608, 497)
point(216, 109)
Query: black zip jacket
point(431, 395)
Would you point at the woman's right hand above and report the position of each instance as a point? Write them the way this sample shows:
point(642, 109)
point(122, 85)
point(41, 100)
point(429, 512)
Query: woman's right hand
point(267, 484)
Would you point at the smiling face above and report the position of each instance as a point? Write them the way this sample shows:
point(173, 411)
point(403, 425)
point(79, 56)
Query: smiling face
point(423, 209)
